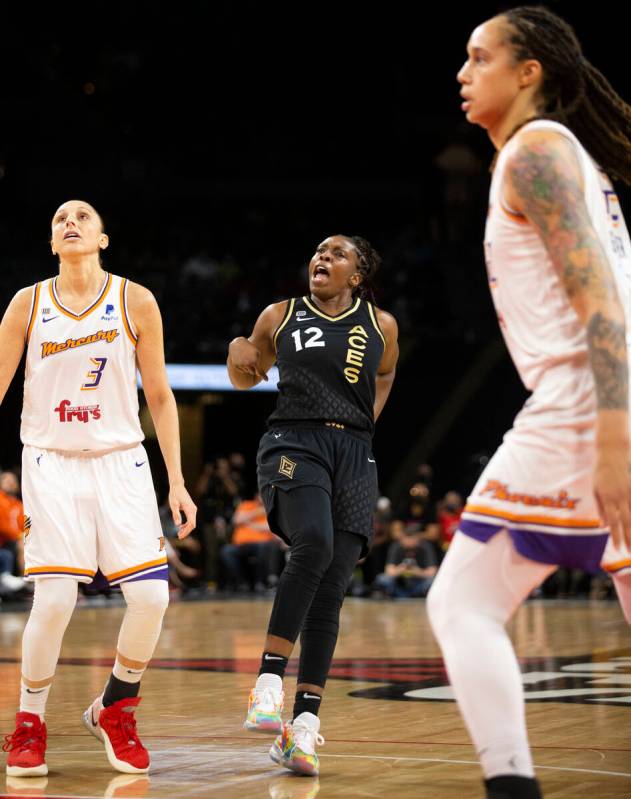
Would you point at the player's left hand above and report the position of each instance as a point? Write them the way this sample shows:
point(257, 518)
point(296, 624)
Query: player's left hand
point(180, 501)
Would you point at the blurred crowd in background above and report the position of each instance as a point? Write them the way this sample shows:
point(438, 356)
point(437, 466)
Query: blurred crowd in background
point(233, 553)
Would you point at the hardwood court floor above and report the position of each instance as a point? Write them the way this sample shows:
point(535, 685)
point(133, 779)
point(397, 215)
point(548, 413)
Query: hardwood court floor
point(390, 728)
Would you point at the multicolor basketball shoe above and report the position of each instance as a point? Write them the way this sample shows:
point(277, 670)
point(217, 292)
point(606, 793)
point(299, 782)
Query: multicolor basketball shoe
point(265, 707)
point(115, 725)
point(295, 746)
point(26, 747)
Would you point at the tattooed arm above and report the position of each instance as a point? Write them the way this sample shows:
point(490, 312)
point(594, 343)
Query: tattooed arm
point(543, 181)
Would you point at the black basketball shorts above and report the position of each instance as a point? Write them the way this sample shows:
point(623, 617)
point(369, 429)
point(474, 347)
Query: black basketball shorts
point(339, 461)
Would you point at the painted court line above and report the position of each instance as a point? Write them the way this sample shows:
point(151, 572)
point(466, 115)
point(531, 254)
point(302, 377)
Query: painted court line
point(476, 763)
point(367, 757)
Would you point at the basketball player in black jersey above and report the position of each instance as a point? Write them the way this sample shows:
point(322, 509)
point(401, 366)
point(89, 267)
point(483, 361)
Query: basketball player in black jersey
point(336, 355)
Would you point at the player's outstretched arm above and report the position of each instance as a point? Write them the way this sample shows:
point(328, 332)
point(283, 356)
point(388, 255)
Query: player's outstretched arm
point(13, 336)
point(145, 316)
point(544, 182)
point(250, 359)
point(388, 365)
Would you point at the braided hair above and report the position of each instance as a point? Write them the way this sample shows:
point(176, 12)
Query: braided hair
point(369, 262)
point(573, 91)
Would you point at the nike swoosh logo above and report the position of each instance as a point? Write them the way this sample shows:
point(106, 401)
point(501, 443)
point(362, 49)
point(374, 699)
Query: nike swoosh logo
point(50, 318)
point(141, 464)
point(38, 459)
point(28, 691)
point(311, 696)
point(272, 657)
point(370, 460)
point(305, 319)
point(129, 671)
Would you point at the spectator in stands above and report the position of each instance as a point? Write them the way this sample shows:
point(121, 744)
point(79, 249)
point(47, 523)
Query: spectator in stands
point(11, 527)
point(410, 567)
point(219, 488)
point(419, 510)
point(432, 534)
point(448, 512)
point(252, 542)
point(375, 561)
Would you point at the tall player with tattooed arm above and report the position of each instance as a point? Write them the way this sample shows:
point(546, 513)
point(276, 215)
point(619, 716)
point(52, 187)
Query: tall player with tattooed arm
point(89, 500)
point(336, 355)
point(558, 490)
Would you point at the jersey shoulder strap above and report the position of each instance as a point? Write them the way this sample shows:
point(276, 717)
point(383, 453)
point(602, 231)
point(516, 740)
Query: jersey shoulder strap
point(286, 318)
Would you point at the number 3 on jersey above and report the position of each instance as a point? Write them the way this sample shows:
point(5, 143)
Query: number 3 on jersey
point(313, 341)
point(95, 374)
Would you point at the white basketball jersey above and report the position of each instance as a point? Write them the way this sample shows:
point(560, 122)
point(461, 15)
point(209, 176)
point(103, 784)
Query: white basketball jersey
point(80, 390)
point(546, 339)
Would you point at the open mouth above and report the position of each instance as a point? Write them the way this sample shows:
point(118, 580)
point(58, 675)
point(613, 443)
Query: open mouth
point(71, 235)
point(320, 270)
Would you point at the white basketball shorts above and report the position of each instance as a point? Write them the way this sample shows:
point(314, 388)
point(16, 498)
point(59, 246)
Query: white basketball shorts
point(85, 511)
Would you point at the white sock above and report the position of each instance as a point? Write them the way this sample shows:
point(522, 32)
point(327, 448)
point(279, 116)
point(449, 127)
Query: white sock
point(477, 589)
point(33, 700)
point(127, 673)
point(272, 681)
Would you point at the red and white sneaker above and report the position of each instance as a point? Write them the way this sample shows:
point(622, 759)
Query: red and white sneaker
point(26, 747)
point(91, 718)
point(116, 727)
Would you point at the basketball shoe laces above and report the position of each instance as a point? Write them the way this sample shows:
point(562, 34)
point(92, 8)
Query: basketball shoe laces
point(305, 737)
point(26, 738)
point(123, 735)
point(266, 697)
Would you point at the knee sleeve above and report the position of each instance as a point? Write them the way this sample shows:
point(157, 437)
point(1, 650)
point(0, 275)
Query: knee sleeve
point(147, 601)
point(304, 516)
point(53, 603)
point(321, 626)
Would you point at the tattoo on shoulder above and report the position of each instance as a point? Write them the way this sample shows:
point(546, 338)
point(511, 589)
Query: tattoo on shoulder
point(553, 201)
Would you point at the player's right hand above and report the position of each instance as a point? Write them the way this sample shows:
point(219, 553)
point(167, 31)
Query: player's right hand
point(244, 356)
point(612, 486)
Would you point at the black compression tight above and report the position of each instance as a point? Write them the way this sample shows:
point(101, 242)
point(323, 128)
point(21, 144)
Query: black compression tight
point(313, 584)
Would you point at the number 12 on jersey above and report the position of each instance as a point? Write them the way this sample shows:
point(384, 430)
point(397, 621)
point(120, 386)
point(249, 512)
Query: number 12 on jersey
point(313, 341)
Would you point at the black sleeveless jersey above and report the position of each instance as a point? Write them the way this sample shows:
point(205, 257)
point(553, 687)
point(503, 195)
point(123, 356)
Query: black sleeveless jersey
point(327, 365)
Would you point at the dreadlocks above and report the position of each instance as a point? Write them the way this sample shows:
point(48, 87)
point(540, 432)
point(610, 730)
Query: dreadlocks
point(573, 91)
point(369, 262)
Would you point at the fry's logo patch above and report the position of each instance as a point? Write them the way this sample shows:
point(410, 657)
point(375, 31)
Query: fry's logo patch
point(82, 413)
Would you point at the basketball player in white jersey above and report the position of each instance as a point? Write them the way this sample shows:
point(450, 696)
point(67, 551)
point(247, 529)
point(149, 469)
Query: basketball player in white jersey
point(89, 500)
point(558, 490)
